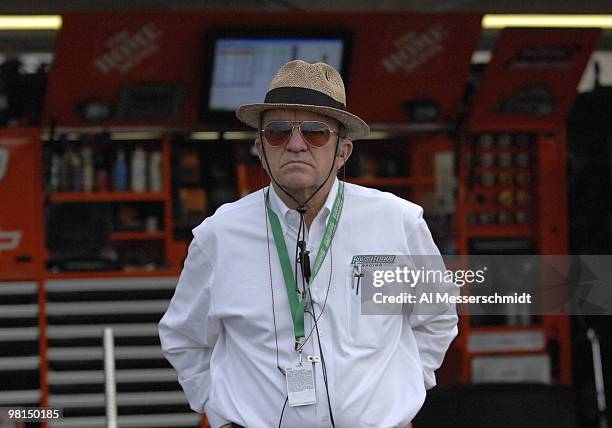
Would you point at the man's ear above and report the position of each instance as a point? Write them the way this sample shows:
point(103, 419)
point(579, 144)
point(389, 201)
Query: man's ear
point(260, 153)
point(258, 148)
point(345, 153)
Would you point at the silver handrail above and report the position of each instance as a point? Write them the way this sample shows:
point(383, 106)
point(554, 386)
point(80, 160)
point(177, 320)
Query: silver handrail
point(599, 379)
point(110, 389)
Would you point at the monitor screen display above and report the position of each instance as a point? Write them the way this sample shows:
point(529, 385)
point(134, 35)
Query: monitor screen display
point(241, 67)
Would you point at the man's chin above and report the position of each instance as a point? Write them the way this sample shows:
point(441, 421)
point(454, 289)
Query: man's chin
point(298, 185)
point(297, 182)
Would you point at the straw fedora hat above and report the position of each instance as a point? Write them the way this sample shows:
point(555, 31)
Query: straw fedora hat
point(317, 88)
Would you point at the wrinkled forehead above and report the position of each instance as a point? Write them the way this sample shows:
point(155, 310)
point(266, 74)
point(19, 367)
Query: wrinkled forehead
point(297, 116)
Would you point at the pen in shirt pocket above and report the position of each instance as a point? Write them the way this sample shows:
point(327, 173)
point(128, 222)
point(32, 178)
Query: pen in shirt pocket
point(357, 275)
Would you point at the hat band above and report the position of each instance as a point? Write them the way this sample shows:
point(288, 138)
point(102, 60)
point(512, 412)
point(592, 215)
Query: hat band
point(306, 96)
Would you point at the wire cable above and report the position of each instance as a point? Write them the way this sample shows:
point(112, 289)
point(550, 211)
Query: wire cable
point(271, 285)
point(316, 326)
point(280, 420)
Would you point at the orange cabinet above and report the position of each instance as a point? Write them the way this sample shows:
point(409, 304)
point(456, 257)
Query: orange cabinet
point(21, 231)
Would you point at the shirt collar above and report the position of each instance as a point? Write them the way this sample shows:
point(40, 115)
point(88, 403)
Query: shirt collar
point(283, 211)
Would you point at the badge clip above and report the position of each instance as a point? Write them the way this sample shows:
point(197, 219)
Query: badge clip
point(299, 344)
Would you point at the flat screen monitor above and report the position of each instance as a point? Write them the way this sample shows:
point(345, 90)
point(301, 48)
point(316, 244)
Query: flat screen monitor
point(241, 64)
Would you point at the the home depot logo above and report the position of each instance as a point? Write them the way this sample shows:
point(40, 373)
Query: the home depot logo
point(414, 49)
point(126, 49)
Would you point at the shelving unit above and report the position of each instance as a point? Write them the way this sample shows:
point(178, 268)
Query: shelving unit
point(137, 236)
point(202, 179)
point(107, 197)
point(534, 221)
point(138, 219)
point(546, 338)
point(508, 231)
point(392, 181)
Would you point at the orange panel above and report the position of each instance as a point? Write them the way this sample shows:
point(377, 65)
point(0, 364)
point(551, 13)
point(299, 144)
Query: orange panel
point(21, 230)
point(553, 215)
point(395, 57)
point(533, 62)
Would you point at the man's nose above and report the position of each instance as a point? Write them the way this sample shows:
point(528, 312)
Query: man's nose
point(296, 142)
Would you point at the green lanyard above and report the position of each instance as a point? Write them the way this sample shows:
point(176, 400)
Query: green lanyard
point(297, 305)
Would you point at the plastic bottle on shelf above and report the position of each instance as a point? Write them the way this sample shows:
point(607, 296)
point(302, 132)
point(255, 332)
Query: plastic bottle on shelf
point(120, 172)
point(54, 172)
point(139, 170)
point(155, 172)
point(102, 182)
point(65, 171)
point(88, 169)
point(76, 171)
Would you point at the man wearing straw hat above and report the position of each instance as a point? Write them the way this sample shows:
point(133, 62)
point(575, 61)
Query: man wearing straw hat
point(265, 328)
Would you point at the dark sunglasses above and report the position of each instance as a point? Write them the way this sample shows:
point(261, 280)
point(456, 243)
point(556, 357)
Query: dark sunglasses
point(315, 133)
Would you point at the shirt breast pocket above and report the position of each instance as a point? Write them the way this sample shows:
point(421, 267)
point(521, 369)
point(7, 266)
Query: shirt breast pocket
point(370, 325)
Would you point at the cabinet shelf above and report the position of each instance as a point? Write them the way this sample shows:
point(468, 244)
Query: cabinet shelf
point(496, 189)
point(473, 354)
point(497, 169)
point(506, 328)
point(392, 181)
point(137, 236)
point(126, 273)
point(497, 150)
point(500, 231)
point(108, 197)
point(497, 207)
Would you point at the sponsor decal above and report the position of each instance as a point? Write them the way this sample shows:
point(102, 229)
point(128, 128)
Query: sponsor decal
point(10, 240)
point(414, 49)
point(128, 49)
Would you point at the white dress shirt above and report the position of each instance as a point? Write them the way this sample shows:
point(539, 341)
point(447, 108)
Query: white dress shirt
point(218, 331)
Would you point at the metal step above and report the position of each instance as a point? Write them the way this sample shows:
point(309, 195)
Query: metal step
point(96, 353)
point(95, 330)
point(121, 376)
point(11, 398)
point(111, 284)
point(18, 288)
point(21, 311)
point(18, 334)
point(19, 363)
point(148, 398)
point(132, 421)
point(107, 308)
point(85, 300)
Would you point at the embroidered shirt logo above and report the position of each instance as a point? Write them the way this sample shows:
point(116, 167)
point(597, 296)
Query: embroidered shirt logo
point(373, 258)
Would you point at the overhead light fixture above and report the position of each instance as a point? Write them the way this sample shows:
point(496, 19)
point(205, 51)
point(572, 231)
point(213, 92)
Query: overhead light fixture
point(234, 135)
point(30, 22)
point(205, 135)
point(377, 135)
point(135, 135)
point(545, 21)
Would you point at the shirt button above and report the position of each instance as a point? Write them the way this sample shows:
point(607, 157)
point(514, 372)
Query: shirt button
point(325, 418)
point(321, 333)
